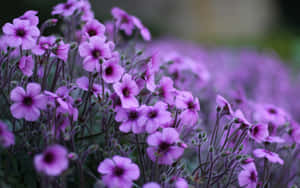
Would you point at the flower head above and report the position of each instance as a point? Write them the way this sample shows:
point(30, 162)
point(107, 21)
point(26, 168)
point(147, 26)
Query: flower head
point(163, 147)
point(259, 132)
point(156, 116)
point(190, 106)
point(94, 28)
point(44, 44)
point(127, 90)
point(21, 33)
point(112, 71)
point(61, 51)
point(26, 65)
point(6, 136)
point(272, 157)
point(123, 20)
point(83, 83)
point(132, 119)
point(94, 51)
point(118, 172)
point(53, 161)
point(151, 185)
point(166, 90)
point(65, 9)
point(181, 183)
point(223, 106)
point(27, 104)
point(248, 177)
point(30, 15)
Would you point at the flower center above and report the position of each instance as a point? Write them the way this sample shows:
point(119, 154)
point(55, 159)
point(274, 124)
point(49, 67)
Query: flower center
point(126, 91)
point(96, 53)
point(152, 114)
point(255, 130)
point(272, 111)
point(118, 171)
point(191, 105)
point(49, 157)
point(27, 101)
point(164, 146)
point(68, 6)
point(125, 19)
point(133, 115)
point(109, 70)
point(253, 176)
point(92, 32)
point(20, 32)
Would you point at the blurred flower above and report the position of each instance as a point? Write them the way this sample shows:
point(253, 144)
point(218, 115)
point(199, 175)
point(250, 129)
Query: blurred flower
point(27, 104)
point(259, 132)
point(44, 44)
point(248, 177)
point(26, 65)
point(30, 15)
point(163, 147)
point(53, 161)
point(7, 138)
point(118, 172)
point(272, 157)
point(151, 185)
point(112, 71)
point(65, 9)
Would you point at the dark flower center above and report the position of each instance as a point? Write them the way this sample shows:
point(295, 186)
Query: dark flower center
point(133, 115)
point(118, 171)
point(161, 92)
point(176, 75)
point(191, 105)
point(96, 53)
point(109, 70)
point(27, 101)
point(92, 32)
point(239, 101)
point(126, 91)
point(255, 130)
point(253, 176)
point(272, 111)
point(49, 157)
point(21, 32)
point(164, 146)
point(152, 114)
point(125, 19)
point(68, 6)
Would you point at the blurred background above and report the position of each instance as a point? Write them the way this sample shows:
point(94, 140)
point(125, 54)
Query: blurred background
point(265, 24)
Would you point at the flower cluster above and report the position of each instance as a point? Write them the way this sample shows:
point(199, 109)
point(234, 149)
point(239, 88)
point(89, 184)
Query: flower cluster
point(96, 106)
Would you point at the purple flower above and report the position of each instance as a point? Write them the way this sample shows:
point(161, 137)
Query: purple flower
point(62, 51)
point(112, 71)
point(259, 132)
point(127, 90)
point(190, 106)
point(272, 157)
point(65, 9)
point(64, 101)
point(132, 119)
point(271, 114)
point(123, 20)
point(7, 138)
point(181, 183)
point(83, 83)
point(27, 104)
point(248, 177)
point(145, 33)
point(44, 44)
point(151, 185)
point(274, 139)
point(223, 106)
point(241, 120)
point(118, 172)
point(94, 28)
point(163, 146)
point(26, 65)
point(30, 15)
point(86, 11)
point(53, 161)
point(21, 33)
point(94, 51)
point(156, 116)
point(166, 90)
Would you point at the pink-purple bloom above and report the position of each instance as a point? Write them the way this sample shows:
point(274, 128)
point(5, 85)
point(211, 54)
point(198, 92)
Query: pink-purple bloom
point(190, 107)
point(94, 28)
point(27, 104)
point(223, 106)
point(21, 33)
point(166, 90)
point(112, 71)
point(271, 156)
point(65, 9)
point(94, 51)
point(61, 51)
point(156, 116)
point(7, 138)
point(127, 90)
point(131, 119)
point(248, 177)
point(44, 44)
point(83, 83)
point(151, 185)
point(30, 15)
point(259, 132)
point(118, 172)
point(163, 147)
point(26, 65)
point(53, 161)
